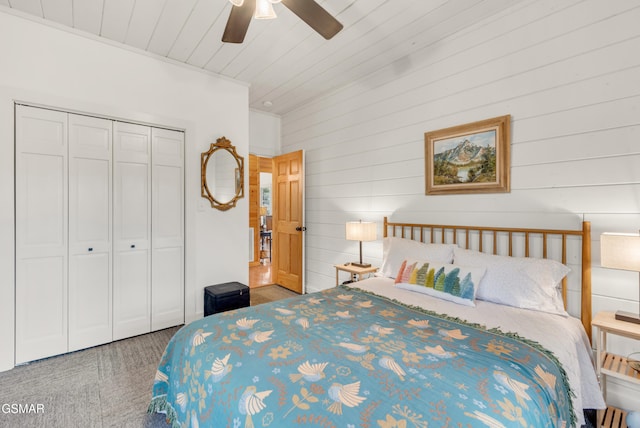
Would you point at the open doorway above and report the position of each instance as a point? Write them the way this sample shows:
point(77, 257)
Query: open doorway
point(278, 236)
point(265, 253)
point(261, 221)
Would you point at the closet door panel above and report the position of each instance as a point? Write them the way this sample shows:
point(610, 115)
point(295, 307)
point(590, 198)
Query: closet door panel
point(42, 203)
point(167, 229)
point(41, 308)
point(168, 224)
point(89, 301)
point(132, 193)
point(131, 303)
point(168, 294)
point(41, 233)
point(90, 248)
point(132, 230)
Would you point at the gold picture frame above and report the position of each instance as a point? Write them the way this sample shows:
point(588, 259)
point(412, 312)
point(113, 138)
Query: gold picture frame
point(470, 158)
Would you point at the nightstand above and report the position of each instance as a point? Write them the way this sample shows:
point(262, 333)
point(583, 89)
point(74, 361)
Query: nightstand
point(609, 364)
point(355, 271)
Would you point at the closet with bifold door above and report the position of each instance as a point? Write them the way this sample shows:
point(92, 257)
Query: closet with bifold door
point(99, 231)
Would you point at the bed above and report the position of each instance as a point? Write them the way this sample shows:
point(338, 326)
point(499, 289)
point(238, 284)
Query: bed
point(444, 335)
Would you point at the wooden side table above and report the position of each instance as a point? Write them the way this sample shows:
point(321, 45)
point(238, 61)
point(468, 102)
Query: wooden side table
point(355, 271)
point(609, 364)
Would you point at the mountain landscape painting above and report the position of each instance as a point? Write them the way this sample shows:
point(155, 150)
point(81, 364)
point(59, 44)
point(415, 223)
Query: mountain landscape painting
point(466, 159)
point(469, 158)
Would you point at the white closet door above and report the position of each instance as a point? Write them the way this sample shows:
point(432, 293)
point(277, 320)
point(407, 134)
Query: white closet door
point(167, 260)
point(90, 289)
point(132, 230)
point(41, 233)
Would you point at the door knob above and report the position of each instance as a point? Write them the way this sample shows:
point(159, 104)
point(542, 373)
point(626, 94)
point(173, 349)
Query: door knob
point(301, 229)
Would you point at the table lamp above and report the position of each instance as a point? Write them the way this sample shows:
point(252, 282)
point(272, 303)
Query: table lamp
point(361, 231)
point(622, 251)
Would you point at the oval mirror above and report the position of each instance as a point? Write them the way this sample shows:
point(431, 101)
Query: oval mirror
point(222, 175)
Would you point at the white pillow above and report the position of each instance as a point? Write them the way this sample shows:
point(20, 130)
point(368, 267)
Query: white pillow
point(396, 250)
point(450, 282)
point(522, 282)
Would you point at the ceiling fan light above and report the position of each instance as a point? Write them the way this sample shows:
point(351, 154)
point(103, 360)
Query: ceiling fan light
point(236, 2)
point(264, 10)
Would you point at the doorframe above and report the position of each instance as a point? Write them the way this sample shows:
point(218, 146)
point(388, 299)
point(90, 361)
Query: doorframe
point(266, 164)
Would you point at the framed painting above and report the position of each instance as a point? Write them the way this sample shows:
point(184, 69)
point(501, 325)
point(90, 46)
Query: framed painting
point(470, 158)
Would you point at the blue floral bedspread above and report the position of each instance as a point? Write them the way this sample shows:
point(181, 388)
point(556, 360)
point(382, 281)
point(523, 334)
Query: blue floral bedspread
point(346, 358)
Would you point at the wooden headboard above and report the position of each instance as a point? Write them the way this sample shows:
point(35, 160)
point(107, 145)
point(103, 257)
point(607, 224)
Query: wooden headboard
point(488, 239)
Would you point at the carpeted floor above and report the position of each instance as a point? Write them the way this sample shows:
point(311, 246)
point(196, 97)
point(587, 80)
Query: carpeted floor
point(104, 386)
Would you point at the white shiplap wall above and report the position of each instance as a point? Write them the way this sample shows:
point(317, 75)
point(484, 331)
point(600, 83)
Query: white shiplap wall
point(569, 74)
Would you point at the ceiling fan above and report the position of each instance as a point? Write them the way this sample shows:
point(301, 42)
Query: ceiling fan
point(307, 10)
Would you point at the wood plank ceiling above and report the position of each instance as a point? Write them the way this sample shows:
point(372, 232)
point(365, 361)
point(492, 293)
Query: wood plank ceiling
point(286, 63)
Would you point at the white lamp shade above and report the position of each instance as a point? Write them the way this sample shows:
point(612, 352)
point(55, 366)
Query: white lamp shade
point(361, 231)
point(620, 251)
point(264, 10)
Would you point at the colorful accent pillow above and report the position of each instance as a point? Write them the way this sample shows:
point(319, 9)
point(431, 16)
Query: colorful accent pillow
point(395, 250)
point(450, 282)
point(522, 282)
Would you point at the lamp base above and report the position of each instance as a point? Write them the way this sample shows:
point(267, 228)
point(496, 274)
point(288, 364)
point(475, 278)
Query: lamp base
point(362, 265)
point(628, 317)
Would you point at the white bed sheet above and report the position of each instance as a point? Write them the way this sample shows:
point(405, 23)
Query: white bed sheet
point(564, 336)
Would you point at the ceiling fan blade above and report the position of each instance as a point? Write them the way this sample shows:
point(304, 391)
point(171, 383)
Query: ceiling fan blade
point(238, 22)
point(315, 16)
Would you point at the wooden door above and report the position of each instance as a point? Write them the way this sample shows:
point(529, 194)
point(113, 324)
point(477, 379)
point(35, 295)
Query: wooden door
point(288, 221)
point(254, 208)
point(90, 249)
point(132, 230)
point(167, 229)
point(41, 233)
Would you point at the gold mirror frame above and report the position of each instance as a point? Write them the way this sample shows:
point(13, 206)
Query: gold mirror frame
point(222, 144)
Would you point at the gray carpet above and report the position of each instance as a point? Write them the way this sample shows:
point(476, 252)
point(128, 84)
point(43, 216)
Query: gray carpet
point(104, 386)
